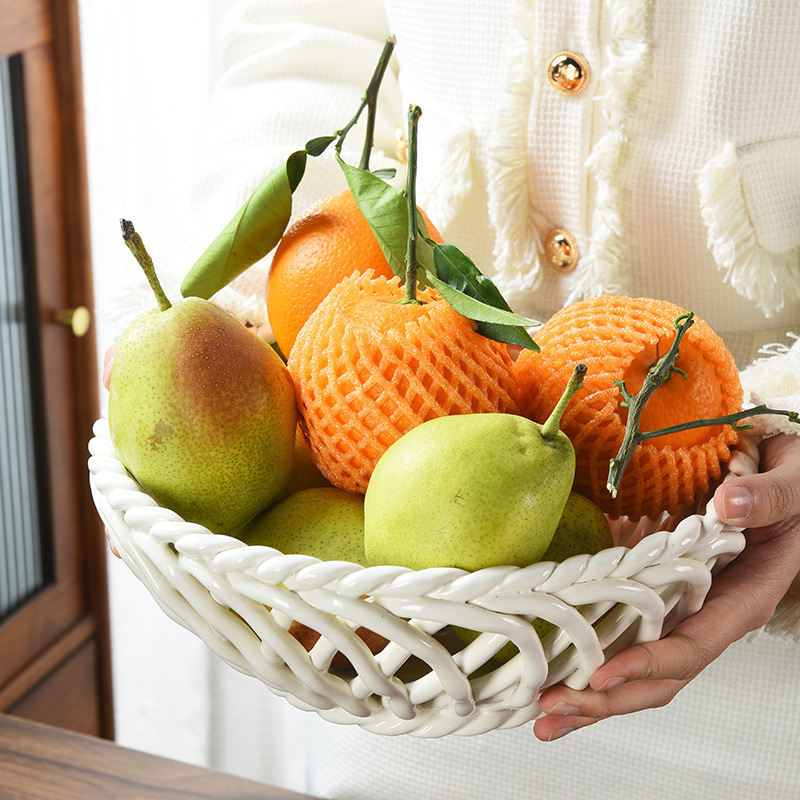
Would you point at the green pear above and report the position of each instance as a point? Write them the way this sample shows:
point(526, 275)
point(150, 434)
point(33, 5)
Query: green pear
point(201, 411)
point(324, 522)
point(582, 529)
point(471, 491)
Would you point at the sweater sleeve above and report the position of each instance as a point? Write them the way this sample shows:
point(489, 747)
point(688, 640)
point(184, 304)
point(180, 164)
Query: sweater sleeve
point(775, 379)
point(289, 72)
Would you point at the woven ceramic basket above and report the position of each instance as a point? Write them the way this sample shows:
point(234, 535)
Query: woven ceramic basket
point(241, 600)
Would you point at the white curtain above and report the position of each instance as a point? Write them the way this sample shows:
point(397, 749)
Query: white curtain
point(148, 69)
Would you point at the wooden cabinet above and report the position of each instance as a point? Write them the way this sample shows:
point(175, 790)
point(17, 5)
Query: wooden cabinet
point(54, 644)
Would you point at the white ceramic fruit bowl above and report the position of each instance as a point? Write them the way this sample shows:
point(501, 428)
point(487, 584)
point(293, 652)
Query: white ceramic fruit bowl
point(240, 600)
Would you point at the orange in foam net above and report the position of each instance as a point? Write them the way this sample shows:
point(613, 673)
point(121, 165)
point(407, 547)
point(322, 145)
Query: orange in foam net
point(620, 338)
point(367, 369)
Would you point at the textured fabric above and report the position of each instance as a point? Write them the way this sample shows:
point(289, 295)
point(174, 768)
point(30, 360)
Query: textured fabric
point(718, 740)
point(672, 84)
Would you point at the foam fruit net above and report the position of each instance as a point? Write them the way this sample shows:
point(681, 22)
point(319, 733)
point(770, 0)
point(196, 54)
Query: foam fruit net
point(367, 370)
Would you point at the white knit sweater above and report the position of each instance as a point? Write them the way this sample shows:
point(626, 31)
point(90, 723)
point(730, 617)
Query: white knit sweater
point(675, 169)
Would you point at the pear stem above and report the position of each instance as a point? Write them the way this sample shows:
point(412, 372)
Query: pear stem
point(136, 246)
point(552, 425)
point(414, 113)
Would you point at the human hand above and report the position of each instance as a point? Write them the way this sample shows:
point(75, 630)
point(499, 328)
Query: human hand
point(742, 597)
point(111, 546)
point(108, 362)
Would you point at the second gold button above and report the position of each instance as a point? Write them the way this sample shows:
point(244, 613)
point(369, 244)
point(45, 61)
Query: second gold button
point(561, 250)
point(568, 73)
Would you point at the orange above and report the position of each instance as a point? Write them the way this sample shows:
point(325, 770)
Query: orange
point(620, 338)
point(330, 241)
point(367, 369)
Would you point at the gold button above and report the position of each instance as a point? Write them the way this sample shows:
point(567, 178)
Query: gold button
point(561, 250)
point(568, 73)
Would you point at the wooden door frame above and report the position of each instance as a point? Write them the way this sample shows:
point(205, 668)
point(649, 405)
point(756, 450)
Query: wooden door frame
point(74, 607)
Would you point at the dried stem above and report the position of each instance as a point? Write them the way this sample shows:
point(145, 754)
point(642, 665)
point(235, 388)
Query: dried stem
point(369, 101)
point(136, 246)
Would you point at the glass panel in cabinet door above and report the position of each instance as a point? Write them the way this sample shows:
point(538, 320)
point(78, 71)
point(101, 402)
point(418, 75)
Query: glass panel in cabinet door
point(24, 544)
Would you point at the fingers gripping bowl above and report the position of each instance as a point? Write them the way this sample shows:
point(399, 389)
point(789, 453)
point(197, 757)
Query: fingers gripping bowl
point(241, 601)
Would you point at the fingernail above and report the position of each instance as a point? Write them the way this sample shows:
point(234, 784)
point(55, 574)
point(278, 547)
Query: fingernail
point(610, 683)
point(737, 502)
point(564, 710)
point(559, 733)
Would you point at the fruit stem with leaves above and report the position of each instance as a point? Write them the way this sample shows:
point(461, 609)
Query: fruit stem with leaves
point(657, 375)
point(369, 101)
point(136, 246)
point(412, 265)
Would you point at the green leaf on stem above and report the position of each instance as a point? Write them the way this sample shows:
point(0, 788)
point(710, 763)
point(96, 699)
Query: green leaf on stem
point(317, 146)
point(255, 230)
point(445, 267)
point(384, 207)
point(475, 295)
point(493, 323)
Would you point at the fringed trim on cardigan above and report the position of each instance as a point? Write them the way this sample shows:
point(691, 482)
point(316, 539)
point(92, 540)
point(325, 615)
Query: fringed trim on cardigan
point(453, 180)
point(769, 279)
point(776, 378)
point(601, 269)
point(515, 221)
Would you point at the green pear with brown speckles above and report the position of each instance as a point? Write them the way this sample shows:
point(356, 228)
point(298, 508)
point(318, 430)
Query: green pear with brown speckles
point(201, 411)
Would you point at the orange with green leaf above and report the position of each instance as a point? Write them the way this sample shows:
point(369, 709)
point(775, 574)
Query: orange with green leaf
point(380, 356)
point(367, 368)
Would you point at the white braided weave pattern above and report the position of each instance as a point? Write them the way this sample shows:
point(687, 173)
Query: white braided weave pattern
point(240, 600)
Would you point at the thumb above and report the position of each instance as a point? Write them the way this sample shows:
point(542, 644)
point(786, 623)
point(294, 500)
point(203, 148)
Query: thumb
point(755, 501)
point(108, 363)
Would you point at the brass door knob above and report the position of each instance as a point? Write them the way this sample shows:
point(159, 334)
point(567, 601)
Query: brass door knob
point(78, 319)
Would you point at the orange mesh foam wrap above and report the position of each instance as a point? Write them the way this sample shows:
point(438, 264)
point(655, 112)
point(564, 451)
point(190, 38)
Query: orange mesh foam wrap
point(367, 369)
